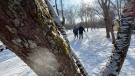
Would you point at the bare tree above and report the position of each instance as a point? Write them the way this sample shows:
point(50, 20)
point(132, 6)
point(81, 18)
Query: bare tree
point(70, 14)
point(62, 13)
point(117, 4)
point(84, 13)
point(105, 4)
point(119, 52)
point(56, 5)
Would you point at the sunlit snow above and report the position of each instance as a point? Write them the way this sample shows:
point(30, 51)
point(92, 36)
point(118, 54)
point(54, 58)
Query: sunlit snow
point(94, 51)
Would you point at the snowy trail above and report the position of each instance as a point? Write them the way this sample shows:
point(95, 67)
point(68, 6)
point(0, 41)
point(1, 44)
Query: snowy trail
point(94, 50)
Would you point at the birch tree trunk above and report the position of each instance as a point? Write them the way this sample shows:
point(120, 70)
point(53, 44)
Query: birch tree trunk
point(119, 52)
point(27, 29)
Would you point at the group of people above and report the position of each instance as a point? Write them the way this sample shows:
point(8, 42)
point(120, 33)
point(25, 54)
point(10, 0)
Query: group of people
point(79, 30)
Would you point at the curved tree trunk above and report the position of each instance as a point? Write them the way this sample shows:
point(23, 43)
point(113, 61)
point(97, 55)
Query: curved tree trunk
point(119, 52)
point(28, 30)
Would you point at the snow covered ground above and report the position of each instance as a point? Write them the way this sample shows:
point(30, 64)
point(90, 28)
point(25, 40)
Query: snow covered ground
point(12, 65)
point(94, 50)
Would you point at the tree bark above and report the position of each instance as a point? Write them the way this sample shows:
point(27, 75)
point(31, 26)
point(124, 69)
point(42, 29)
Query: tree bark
point(63, 33)
point(28, 30)
point(105, 6)
point(107, 29)
point(63, 18)
point(110, 27)
point(119, 52)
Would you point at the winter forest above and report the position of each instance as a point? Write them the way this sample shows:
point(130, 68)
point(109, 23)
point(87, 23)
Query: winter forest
point(67, 38)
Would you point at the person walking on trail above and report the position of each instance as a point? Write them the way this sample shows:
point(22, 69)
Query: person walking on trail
point(81, 29)
point(75, 31)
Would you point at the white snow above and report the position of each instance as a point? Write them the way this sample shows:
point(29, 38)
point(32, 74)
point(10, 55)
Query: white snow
point(93, 51)
point(11, 65)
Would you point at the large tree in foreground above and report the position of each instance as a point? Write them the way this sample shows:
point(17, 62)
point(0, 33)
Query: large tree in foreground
point(28, 29)
point(119, 52)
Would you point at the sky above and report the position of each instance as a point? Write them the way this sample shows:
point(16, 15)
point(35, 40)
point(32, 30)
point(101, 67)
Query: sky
point(69, 2)
point(93, 51)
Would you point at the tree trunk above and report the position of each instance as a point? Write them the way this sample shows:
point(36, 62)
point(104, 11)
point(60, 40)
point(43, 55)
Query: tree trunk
point(105, 7)
point(27, 29)
point(86, 21)
point(107, 28)
point(63, 33)
point(110, 27)
point(113, 37)
point(63, 18)
point(119, 52)
point(56, 7)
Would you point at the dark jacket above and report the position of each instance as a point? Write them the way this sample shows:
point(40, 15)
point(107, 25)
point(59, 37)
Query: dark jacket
point(81, 29)
point(75, 31)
